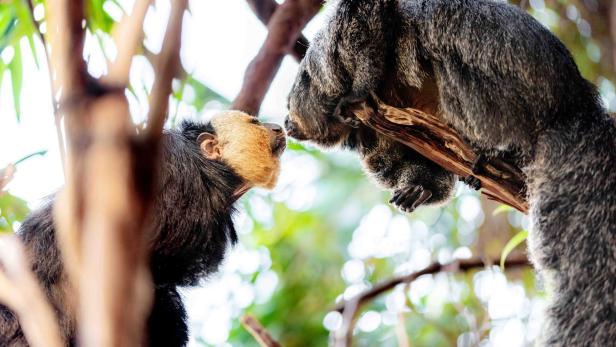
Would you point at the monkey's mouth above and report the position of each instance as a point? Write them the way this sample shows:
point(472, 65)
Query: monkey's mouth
point(293, 130)
point(279, 143)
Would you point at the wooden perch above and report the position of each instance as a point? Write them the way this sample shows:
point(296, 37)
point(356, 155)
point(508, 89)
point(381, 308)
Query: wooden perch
point(430, 137)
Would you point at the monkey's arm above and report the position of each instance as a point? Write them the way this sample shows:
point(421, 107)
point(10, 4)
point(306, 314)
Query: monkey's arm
point(413, 179)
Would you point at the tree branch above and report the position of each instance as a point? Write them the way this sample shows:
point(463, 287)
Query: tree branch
point(284, 27)
point(350, 308)
point(426, 134)
point(101, 211)
point(264, 9)
point(258, 332)
point(167, 67)
point(21, 292)
point(65, 36)
point(127, 36)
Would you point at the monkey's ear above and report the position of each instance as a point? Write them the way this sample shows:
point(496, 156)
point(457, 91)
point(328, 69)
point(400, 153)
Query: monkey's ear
point(209, 145)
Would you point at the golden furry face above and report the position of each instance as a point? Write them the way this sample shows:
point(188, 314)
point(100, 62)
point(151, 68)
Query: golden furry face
point(251, 148)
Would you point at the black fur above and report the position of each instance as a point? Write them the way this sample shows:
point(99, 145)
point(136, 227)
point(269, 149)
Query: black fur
point(510, 87)
point(191, 226)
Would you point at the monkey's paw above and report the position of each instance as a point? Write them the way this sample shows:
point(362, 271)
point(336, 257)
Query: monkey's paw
point(409, 198)
point(471, 181)
point(341, 112)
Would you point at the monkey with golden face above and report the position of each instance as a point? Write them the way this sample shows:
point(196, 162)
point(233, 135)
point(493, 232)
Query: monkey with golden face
point(205, 168)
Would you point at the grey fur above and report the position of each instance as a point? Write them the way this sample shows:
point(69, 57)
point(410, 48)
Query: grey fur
point(507, 85)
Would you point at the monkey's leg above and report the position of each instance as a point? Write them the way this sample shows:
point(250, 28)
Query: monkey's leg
point(167, 321)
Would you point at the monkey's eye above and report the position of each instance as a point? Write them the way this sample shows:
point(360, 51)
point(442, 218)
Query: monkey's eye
point(255, 121)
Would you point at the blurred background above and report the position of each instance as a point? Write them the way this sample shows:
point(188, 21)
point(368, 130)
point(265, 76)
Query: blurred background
point(326, 232)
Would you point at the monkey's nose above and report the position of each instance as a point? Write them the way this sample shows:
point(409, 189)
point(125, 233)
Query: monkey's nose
point(276, 128)
point(290, 126)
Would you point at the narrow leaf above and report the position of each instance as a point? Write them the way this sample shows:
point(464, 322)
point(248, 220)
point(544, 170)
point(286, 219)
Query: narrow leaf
point(502, 208)
point(16, 79)
point(511, 245)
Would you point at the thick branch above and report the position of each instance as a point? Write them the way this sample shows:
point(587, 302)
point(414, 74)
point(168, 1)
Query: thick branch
point(349, 309)
point(433, 139)
point(283, 29)
point(258, 332)
point(264, 9)
point(65, 36)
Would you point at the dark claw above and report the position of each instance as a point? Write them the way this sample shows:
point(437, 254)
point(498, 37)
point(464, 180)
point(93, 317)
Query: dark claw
point(407, 200)
point(472, 182)
point(351, 121)
point(479, 163)
point(425, 195)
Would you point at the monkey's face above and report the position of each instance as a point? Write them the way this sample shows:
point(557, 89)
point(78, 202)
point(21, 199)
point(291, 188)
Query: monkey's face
point(310, 112)
point(251, 148)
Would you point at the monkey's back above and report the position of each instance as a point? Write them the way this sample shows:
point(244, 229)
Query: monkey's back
point(501, 74)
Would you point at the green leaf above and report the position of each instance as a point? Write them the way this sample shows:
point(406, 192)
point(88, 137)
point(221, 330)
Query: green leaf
point(16, 80)
point(27, 27)
point(33, 50)
point(203, 94)
point(511, 245)
point(12, 209)
point(2, 69)
point(8, 22)
point(502, 208)
point(98, 19)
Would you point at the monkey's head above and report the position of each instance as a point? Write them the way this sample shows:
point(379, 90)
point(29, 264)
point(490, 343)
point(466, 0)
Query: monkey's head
point(311, 106)
point(251, 148)
point(206, 167)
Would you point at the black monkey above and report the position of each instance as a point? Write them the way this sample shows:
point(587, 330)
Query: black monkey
point(509, 86)
point(205, 168)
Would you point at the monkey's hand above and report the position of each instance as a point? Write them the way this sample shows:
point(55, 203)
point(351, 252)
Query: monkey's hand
point(341, 112)
point(407, 199)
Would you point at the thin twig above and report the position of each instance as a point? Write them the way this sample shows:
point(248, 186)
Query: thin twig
point(257, 330)
point(284, 28)
point(21, 292)
point(167, 67)
point(350, 308)
point(57, 116)
point(401, 334)
point(127, 36)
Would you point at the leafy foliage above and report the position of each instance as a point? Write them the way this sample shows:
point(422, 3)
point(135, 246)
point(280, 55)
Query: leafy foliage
point(12, 210)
